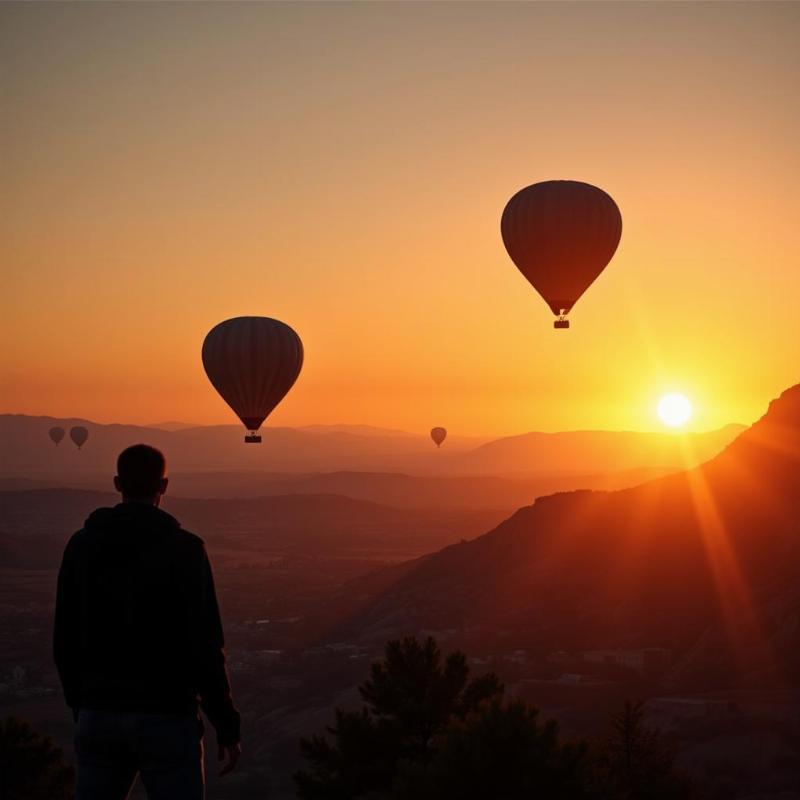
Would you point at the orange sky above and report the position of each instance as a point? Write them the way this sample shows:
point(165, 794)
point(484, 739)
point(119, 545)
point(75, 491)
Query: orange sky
point(343, 167)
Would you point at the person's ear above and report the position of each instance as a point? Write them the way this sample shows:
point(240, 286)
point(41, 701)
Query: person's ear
point(117, 484)
point(162, 487)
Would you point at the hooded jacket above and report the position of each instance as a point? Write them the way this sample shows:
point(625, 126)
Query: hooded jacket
point(137, 626)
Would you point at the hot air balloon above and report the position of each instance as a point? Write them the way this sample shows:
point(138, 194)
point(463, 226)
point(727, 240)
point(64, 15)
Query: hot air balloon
point(561, 235)
point(252, 362)
point(57, 434)
point(79, 435)
point(438, 435)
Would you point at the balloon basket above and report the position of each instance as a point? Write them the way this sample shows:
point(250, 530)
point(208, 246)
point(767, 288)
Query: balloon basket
point(252, 438)
point(561, 323)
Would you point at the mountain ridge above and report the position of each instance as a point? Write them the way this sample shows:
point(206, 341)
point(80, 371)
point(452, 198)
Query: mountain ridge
point(656, 565)
point(30, 454)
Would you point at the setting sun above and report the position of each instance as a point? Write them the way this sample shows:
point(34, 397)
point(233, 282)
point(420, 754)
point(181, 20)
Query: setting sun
point(674, 409)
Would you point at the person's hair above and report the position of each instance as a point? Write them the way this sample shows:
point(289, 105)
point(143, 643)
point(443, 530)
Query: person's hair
point(140, 470)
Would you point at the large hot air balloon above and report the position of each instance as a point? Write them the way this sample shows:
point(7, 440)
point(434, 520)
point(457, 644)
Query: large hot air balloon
point(57, 434)
point(252, 362)
point(561, 235)
point(438, 435)
point(79, 435)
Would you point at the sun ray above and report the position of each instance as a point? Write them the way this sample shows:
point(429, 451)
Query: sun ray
point(740, 619)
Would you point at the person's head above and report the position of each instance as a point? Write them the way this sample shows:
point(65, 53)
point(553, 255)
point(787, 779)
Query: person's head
point(141, 474)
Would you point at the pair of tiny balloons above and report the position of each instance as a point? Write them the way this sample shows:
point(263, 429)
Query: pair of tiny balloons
point(559, 234)
point(77, 433)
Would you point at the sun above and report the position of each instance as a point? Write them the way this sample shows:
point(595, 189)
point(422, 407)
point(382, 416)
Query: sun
point(674, 409)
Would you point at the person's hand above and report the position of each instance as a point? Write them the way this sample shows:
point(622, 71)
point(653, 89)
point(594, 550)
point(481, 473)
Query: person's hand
point(229, 754)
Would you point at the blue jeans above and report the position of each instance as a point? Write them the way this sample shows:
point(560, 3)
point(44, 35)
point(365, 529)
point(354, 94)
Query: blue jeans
point(112, 747)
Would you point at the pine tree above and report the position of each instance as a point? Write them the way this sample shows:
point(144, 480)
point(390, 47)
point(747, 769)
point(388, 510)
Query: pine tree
point(503, 751)
point(410, 697)
point(635, 763)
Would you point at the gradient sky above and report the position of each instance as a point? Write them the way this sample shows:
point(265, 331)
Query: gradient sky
point(343, 167)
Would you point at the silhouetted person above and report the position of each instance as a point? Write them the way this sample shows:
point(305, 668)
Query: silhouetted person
point(138, 643)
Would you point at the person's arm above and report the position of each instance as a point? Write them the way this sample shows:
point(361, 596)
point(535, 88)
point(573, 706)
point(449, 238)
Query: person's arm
point(66, 629)
point(215, 690)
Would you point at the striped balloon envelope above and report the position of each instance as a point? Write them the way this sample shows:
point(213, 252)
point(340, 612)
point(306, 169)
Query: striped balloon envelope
point(561, 235)
point(252, 362)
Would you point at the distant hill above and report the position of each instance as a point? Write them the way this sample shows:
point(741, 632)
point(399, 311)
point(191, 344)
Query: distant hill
point(172, 425)
point(28, 453)
point(704, 562)
point(365, 430)
point(400, 490)
point(595, 451)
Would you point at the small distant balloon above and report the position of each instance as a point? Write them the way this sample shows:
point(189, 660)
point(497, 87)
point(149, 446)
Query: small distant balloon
point(79, 435)
point(252, 362)
point(561, 235)
point(57, 434)
point(438, 435)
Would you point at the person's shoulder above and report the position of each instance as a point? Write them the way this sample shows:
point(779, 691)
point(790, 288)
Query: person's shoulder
point(98, 519)
point(165, 522)
point(76, 541)
point(188, 547)
point(189, 540)
point(76, 548)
